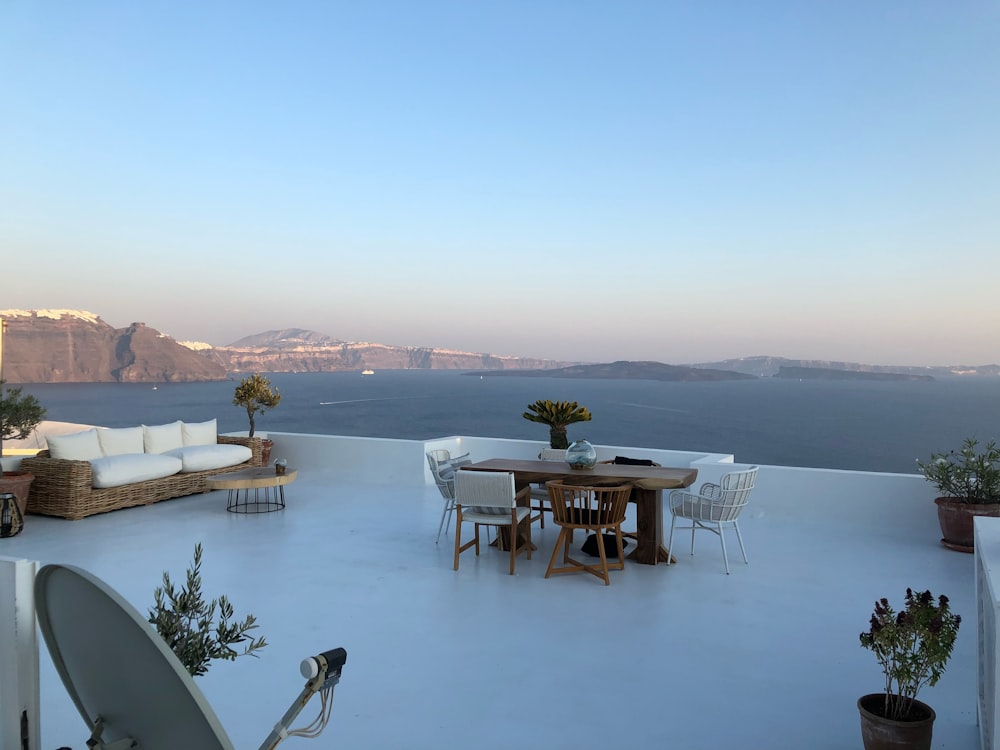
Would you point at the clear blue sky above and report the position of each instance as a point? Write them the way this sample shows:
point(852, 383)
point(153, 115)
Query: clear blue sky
point(675, 181)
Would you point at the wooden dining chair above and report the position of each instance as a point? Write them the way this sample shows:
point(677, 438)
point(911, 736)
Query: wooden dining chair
point(489, 498)
point(593, 509)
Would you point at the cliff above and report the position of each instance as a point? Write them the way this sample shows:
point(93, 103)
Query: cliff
point(298, 350)
point(73, 346)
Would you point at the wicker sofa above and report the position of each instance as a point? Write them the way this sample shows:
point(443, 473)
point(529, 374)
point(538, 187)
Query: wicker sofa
point(64, 487)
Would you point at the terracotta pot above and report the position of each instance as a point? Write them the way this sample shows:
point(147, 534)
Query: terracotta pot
point(265, 451)
point(956, 517)
point(17, 482)
point(879, 733)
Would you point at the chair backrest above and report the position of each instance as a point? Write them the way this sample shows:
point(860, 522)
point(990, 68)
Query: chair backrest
point(591, 507)
point(437, 456)
point(486, 491)
point(734, 494)
point(552, 454)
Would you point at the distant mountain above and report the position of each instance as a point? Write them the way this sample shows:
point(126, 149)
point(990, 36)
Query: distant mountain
point(631, 371)
point(75, 346)
point(286, 338)
point(825, 373)
point(300, 350)
point(769, 366)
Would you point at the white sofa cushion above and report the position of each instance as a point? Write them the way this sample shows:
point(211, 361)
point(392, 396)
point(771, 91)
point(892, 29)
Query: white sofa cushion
point(115, 441)
point(206, 457)
point(128, 468)
point(162, 437)
point(199, 433)
point(78, 446)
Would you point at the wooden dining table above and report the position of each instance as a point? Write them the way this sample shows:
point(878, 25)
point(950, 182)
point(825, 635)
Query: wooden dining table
point(648, 483)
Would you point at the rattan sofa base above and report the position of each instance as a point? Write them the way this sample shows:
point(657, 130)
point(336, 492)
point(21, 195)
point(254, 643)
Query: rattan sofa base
point(64, 488)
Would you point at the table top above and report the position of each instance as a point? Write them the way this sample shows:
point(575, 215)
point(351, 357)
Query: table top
point(645, 477)
point(251, 479)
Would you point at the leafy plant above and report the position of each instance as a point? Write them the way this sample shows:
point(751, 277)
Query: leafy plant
point(969, 475)
point(557, 415)
point(187, 623)
point(256, 394)
point(913, 647)
point(19, 415)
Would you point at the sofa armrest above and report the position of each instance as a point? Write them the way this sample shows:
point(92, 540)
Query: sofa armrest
point(255, 444)
point(58, 476)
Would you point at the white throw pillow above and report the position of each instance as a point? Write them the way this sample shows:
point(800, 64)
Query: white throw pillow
point(78, 446)
point(206, 457)
point(162, 438)
point(115, 471)
point(199, 433)
point(115, 442)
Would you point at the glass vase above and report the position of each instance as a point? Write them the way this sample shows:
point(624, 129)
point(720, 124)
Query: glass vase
point(581, 455)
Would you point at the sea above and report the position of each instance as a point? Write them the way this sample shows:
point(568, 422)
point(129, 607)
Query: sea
point(857, 425)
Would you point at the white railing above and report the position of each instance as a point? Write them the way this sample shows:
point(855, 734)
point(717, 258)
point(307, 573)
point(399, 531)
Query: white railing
point(987, 535)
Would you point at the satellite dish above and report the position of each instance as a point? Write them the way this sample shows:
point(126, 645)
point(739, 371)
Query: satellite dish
point(125, 682)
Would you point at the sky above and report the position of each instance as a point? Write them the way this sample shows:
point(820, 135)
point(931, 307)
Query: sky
point(570, 179)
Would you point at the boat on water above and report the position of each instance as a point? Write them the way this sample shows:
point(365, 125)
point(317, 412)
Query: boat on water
point(367, 372)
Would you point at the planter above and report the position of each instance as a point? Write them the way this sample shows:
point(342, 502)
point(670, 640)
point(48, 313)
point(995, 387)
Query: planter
point(265, 451)
point(879, 733)
point(18, 483)
point(956, 517)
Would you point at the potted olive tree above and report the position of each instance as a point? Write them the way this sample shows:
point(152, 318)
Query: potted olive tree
point(256, 394)
point(557, 415)
point(968, 483)
point(188, 624)
point(912, 647)
point(20, 414)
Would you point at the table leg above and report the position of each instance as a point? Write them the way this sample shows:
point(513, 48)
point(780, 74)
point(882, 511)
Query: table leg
point(649, 548)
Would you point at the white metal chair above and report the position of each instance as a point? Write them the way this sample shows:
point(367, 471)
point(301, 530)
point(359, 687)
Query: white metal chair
point(489, 498)
point(713, 508)
point(539, 494)
point(443, 470)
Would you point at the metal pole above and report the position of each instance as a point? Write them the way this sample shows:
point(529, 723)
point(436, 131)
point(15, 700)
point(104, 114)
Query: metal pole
point(3, 327)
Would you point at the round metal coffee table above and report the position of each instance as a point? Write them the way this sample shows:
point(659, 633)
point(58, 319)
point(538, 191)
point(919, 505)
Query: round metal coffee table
point(262, 489)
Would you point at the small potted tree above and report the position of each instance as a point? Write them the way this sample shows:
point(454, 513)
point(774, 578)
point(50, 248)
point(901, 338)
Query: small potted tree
point(968, 483)
point(913, 648)
point(557, 415)
point(256, 394)
point(20, 414)
point(188, 625)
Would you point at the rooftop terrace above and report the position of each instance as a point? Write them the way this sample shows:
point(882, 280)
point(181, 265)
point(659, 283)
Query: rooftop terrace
point(683, 656)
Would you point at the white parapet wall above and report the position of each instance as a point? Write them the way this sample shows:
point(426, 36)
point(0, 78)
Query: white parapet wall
point(19, 688)
point(987, 536)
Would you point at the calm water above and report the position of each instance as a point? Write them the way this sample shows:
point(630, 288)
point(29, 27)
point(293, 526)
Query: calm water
point(841, 425)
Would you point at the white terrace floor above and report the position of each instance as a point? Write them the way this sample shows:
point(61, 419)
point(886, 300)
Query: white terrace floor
point(681, 656)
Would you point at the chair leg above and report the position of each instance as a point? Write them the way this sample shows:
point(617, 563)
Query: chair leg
point(513, 537)
point(722, 538)
point(694, 526)
point(561, 541)
point(449, 506)
point(739, 538)
point(458, 537)
point(604, 558)
point(670, 539)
